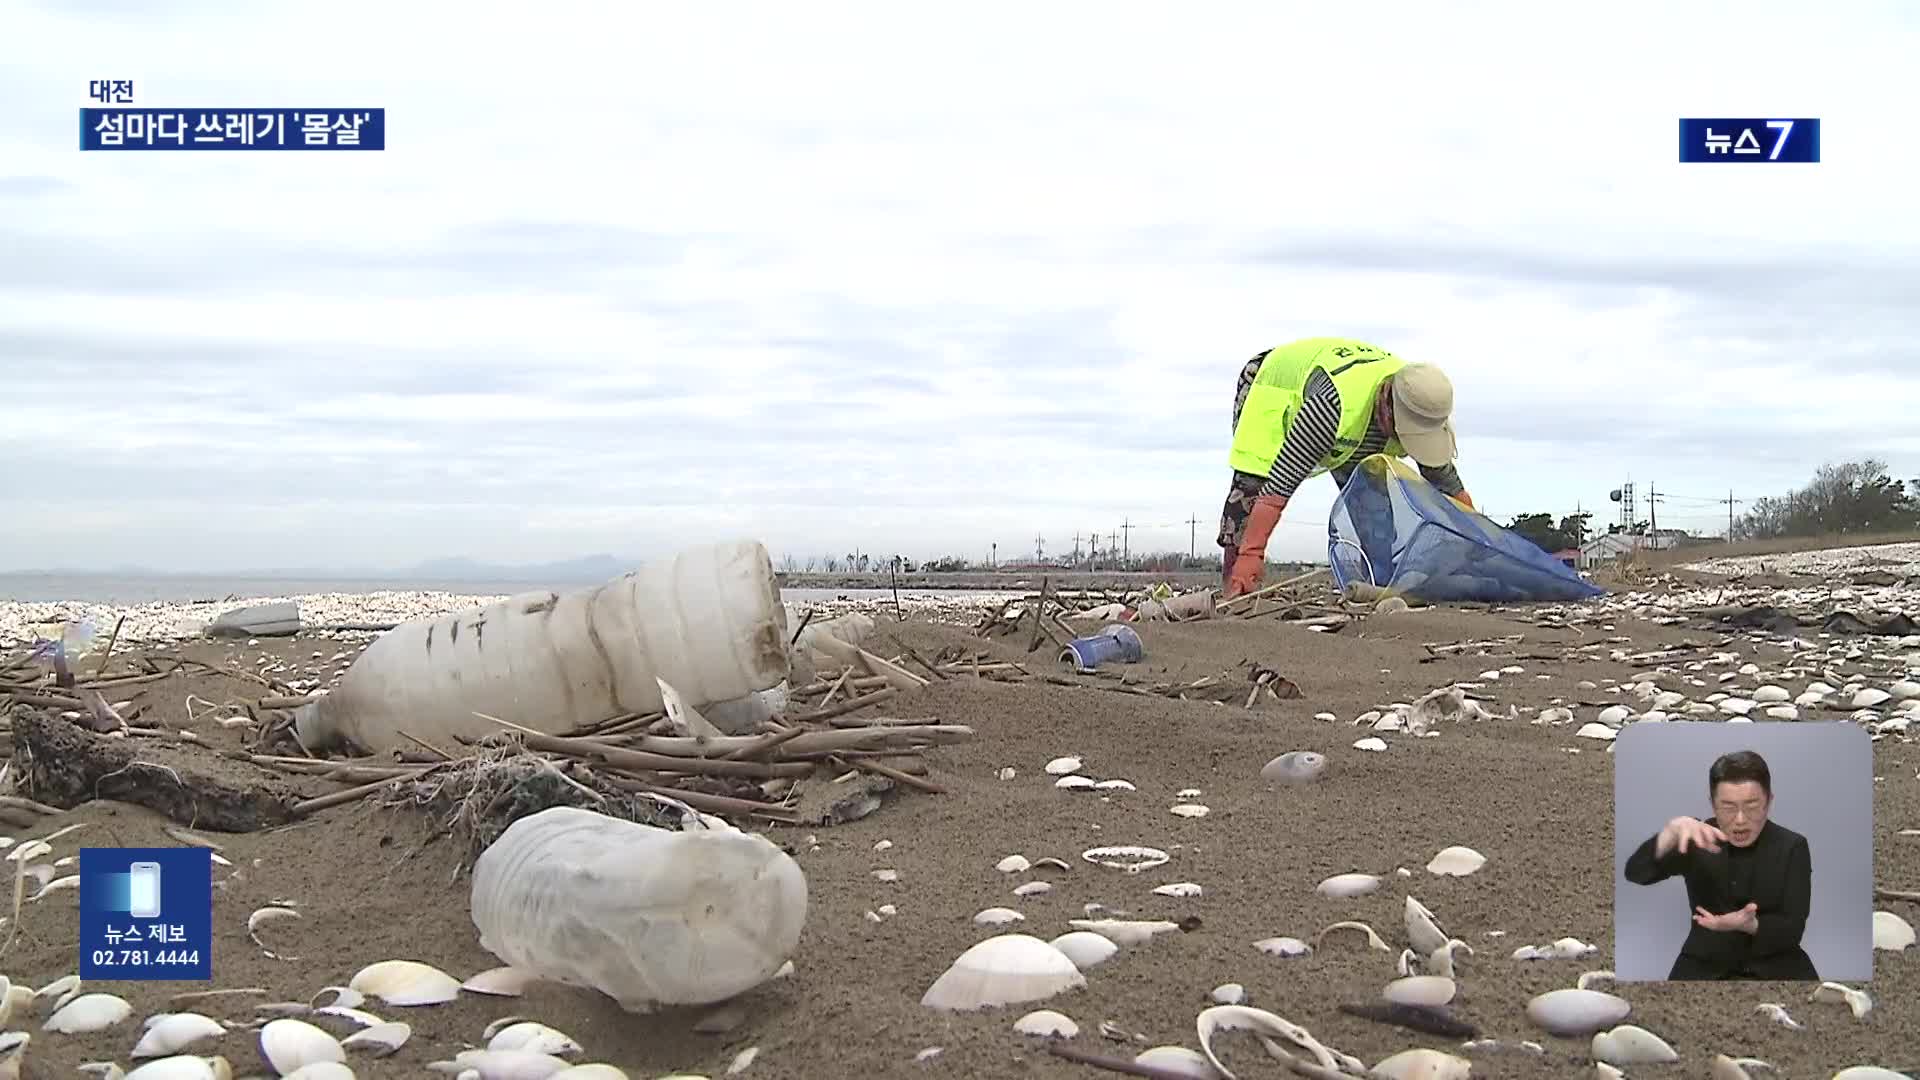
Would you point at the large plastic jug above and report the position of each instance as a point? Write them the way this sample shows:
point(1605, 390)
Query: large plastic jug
point(647, 916)
point(708, 620)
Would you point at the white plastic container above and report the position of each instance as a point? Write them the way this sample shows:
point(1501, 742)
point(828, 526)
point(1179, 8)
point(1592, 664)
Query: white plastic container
point(647, 916)
point(708, 620)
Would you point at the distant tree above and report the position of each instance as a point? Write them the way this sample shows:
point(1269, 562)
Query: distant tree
point(1856, 497)
point(833, 565)
point(1571, 532)
point(789, 564)
point(865, 561)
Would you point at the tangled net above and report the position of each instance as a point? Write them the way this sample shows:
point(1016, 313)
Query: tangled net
point(477, 797)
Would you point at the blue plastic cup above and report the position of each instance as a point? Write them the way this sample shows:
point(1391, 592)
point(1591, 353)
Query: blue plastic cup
point(1117, 644)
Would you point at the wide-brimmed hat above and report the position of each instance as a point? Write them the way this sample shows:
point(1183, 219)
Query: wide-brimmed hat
point(1423, 414)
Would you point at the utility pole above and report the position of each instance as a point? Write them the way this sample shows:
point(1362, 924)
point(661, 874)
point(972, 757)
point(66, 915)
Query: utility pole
point(1039, 548)
point(1126, 534)
point(1076, 549)
point(1113, 546)
point(1653, 515)
point(993, 561)
point(1193, 537)
point(1730, 501)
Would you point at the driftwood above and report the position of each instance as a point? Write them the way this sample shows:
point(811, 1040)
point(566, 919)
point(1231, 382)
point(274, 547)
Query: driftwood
point(60, 764)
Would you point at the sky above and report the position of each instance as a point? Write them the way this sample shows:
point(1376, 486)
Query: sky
point(634, 277)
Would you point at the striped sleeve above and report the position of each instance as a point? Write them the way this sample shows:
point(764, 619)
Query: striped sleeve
point(1310, 437)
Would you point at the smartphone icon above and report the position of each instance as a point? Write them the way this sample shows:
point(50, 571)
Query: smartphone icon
point(143, 890)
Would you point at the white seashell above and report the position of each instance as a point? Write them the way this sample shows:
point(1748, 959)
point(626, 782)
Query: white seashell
point(1177, 1061)
point(741, 1061)
point(501, 1064)
point(1371, 743)
point(886, 875)
point(1187, 793)
point(1749, 669)
point(1325, 717)
point(1588, 978)
point(1191, 810)
point(364, 1019)
point(180, 1067)
point(1456, 862)
point(1595, 731)
point(1422, 932)
point(169, 1033)
point(593, 1071)
point(1821, 688)
point(1667, 699)
point(321, 1070)
point(1440, 961)
point(1013, 864)
point(1284, 947)
point(1734, 706)
point(287, 1044)
point(345, 996)
point(1868, 698)
point(1423, 1064)
point(1125, 931)
point(1295, 767)
point(1770, 694)
point(1809, 700)
point(1631, 1045)
point(1219, 1018)
point(1033, 888)
point(1047, 1024)
point(499, 982)
point(380, 1039)
point(1061, 766)
point(1432, 990)
point(1129, 857)
point(1859, 1002)
point(1346, 886)
point(1373, 938)
point(998, 916)
point(1228, 994)
point(1615, 715)
point(1891, 932)
point(1007, 773)
point(1778, 1014)
point(406, 982)
point(88, 1012)
point(1179, 888)
point(1869, 1072)
point(1115, 785)
point(1085, 948)
point(534, 1038)
point(1074, 782)
point(1783, 712)
point(1577, 1012)
point(1555, 716)
point(1004, 970)
point(1904, 689)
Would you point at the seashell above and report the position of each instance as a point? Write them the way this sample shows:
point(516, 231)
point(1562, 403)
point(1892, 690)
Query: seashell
point(1346, 886)
point(1700, 708)
point(1013, 864)
point(741, 1061)
point(1182, 889)
point(180, 1067)
point(1555, 716)
point(1782, 712)
point(1832, 993)
point(1085, 948)
point(1615, 715)
point(998, 916)
point(883, 845)
point(1588, 978)
point(1409, 962)
point(1631, 1045)
point(1422, 932)
point(364, 1019)
point(1821, 688)
point(1007, 773)
point(1074, 782)
point(1325, 717)
point(1734, 706)
point(593, 1071)
point(1891, 932)
point(1667, 699)
point(1595, 731)
point(1577, 1012)
point(1004, 970)
point(534, 1038)
point(169, 1033)
point(1286, 948)
point(1869, 1072)
point(1869, 697)
point(1187, 793)
point(1432, 990)
point(1373, 939)
point(1190, 810)
point(1423, 1064)
point(886, 875)
point(1809, 700)
point(287, 1044)
point(1749, 669)
point(1061, 766)
point(1771, 694)
point(1177, 1061)
point(1125, 931)
point(1295, 767)
point(1904, 689)
point(1219, 1018)
point(406, 982)
point(1047, 1024)
point(1371, 743)
point(88, 1012)
point(1440, 961)
point(321, 1070)
point(1115, 785)
point(499, 982)
point(1033, 888)
point(380, 1039)
point(501, 1065)
point(265, 915)
point(345, 996)
point(1779, 1015)
point(61, 990)
point(1456, 862)
point(1228, 994)
point(1129, 857)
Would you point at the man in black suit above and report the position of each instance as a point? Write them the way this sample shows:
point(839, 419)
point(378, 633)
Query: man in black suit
point(1749, 880)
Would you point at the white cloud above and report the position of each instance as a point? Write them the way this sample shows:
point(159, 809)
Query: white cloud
point(630, 276)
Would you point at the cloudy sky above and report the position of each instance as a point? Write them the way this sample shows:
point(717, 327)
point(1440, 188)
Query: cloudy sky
point(635, 276)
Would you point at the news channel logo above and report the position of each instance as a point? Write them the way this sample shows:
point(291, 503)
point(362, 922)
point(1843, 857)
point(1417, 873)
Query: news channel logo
point(1740, 140)
point(109, 123)
point(146, 913)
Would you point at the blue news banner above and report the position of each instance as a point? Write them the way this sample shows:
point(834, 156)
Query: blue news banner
point(146, 913)
point(1720, 139)
point(233, 129)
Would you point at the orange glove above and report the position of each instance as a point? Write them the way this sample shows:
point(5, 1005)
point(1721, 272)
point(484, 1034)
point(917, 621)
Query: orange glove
point(1250, 561)
point(1463, 497)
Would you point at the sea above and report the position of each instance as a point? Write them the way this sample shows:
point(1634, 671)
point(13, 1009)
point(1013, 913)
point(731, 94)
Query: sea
point(183, 589)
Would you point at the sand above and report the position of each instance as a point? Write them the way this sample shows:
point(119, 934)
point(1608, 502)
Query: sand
point(373, 885)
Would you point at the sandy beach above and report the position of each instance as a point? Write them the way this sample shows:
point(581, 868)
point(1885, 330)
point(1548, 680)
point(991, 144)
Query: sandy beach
point(376, 882)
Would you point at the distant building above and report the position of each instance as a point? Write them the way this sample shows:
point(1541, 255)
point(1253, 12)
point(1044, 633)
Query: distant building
point(1610, 546)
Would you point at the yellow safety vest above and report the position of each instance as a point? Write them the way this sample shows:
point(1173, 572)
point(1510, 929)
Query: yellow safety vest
point(1356, 369)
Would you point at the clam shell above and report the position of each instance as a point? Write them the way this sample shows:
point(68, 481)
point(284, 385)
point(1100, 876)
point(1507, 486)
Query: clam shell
point(1085, 948)
point(1456, 862)
point(287, 1044)
point(406, 982)
point(1423, 1064)
point(1295, 767)
point(1004, 970)
point(1891, 932)
point(169, 1033)
point(88, 1012)
point(1577, 1012)
point(534, 1038)
point(1047, 1024)
point(1346, 886)
point(1177, 1061)
point(1630, 1045)
point(1433, 990)
point(1284, 947)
